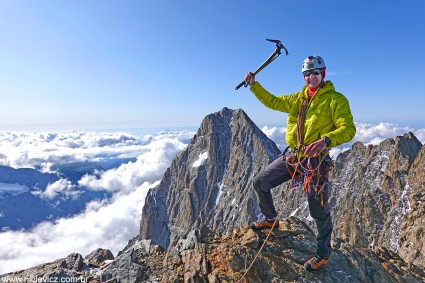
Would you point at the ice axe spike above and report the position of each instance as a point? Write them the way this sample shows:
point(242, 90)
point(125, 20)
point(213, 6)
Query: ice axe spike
point(275, 54)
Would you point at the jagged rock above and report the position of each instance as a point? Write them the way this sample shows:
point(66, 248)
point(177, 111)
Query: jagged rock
point(194, 238)
point(141, 262)
point(412, 237)
point(127, 267)
point(69, 267)
point(227, 259)
point(250, 239)
point(374, 179)
point(98, 256)
point(369, 192)
point(143, 246)
point(209, 183)
point(218, 193)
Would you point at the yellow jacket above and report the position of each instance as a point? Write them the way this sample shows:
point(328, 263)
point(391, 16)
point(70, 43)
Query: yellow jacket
point(328, 114)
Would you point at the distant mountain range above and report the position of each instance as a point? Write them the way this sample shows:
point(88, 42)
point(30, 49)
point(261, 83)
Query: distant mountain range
point(21, 204)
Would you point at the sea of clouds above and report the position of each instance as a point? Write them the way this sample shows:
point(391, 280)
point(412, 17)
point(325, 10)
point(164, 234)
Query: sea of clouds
point(110, 223)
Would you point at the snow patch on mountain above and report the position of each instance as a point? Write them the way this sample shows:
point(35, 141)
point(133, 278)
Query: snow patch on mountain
point(201, 159)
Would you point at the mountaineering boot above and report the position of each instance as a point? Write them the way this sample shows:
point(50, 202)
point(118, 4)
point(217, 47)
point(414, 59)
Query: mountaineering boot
point(265, 224)
point(314, 263)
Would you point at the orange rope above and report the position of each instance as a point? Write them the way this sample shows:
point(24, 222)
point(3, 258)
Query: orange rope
point(268, 234)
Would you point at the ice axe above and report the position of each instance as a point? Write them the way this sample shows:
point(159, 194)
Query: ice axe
point(274, 55)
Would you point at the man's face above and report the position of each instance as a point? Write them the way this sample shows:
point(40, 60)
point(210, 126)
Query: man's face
point(313, 78)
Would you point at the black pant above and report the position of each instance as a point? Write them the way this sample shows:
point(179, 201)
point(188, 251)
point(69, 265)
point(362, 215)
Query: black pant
point(278, 172)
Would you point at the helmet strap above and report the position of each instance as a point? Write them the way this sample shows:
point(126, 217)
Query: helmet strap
point(323, 73)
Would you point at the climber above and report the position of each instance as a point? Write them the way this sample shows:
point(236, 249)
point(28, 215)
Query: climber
point(319, 118)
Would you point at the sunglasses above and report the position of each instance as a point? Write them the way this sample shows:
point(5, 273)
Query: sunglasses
point(312, 72)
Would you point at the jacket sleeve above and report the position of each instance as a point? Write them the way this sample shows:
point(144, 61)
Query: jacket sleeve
point(280, 103)
point(343, 121)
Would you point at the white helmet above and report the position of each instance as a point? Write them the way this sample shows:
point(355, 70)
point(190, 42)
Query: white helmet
point(313, 62)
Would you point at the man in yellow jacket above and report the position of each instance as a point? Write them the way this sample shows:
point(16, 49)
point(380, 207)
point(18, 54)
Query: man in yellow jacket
point(318, 118)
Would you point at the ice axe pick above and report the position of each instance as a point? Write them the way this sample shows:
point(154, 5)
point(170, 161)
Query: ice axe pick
point(275, 54)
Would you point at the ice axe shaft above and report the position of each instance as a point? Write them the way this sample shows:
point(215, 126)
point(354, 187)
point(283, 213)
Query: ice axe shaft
point(275, 54)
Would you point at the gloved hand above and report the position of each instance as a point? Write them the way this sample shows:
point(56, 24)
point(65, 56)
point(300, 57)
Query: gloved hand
point(249, 78)
point(315, 148)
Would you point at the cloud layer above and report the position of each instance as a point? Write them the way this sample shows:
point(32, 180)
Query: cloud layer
point(109, 223)
point(43, 149)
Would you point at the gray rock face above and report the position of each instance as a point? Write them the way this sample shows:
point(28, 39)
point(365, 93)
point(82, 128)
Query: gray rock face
point(62, 268)
point(98, 256)
point(206, 196)
point(238, 257)
point(140, 262)
point(241, 255)
point(371, 189)
point(371, 193)
point(209, 183)
point(377, 196)
point(412, 237)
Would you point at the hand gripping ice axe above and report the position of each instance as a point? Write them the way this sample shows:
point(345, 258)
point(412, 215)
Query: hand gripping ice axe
point(275, 54)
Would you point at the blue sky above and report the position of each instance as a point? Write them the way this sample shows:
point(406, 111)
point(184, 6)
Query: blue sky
point(129, 64)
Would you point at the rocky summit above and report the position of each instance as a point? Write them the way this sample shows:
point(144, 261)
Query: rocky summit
point(241, 255)
point(194, 225)
point(209, 183)
point(244, 255)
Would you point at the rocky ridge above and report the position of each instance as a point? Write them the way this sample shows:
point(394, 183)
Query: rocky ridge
point(233, 257)
point(412, 232)
point(73, 266)
point(199, 212)
point(384, 181)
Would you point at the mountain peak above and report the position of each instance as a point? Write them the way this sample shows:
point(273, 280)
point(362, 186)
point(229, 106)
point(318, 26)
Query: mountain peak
point(223, 118)
point(209, 183)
